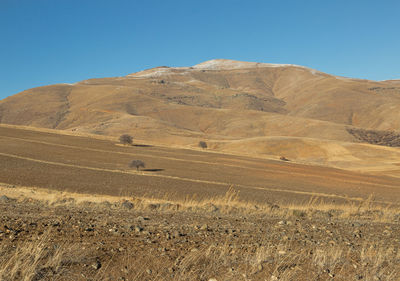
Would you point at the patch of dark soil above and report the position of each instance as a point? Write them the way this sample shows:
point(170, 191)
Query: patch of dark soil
point(386, 138)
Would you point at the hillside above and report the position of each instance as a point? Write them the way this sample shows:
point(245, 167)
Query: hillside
point(98, 166)
point(227, 103)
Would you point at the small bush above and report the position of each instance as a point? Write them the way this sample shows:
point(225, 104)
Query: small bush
point(299, 213)
point(203, 144)
point(137, 164)
point(126, 139)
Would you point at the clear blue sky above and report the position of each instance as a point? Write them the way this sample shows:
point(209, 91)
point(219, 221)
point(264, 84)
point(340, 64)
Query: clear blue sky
point(53, 41)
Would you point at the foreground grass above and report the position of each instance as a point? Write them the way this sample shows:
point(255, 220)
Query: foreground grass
point(43, 257)
point(41, 260)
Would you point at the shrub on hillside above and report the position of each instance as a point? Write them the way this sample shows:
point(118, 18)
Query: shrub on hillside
point(203, 144)
point(137, 164)
point(126, 139)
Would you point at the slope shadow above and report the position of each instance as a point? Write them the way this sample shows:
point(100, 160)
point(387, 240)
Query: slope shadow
point(142, 145)
point(152, 170)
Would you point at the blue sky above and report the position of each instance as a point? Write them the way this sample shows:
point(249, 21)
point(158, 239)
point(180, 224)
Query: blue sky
point(53, 41)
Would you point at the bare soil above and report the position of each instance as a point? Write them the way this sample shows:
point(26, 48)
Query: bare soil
point(87, 165)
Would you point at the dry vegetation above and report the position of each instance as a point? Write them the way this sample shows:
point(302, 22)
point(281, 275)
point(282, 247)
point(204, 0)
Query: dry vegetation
point(101, 167)
point(221, 238)
point(386, 138)
point(178, 221)
point(237, 107)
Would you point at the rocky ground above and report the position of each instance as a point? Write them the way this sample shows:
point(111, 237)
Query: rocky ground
point(119, 241)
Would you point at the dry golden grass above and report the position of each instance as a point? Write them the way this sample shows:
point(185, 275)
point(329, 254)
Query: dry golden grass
point(31, 260)
point(229, 203)
point(258, 111)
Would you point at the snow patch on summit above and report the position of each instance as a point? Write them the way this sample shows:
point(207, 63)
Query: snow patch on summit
point(153, 72)
point(223, 64)
point(70, 84)
point(216, 64)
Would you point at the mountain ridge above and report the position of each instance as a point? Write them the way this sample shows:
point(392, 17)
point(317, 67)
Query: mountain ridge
point(217, 100)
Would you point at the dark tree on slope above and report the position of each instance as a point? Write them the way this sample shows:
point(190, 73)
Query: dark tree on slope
point(137, 164)
point(126, 139)
point(202, 144)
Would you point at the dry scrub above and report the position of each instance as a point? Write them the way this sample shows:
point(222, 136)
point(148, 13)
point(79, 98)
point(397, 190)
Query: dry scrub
point(78, 237)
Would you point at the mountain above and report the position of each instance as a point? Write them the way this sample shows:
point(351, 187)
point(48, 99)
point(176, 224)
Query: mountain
point(240, 107)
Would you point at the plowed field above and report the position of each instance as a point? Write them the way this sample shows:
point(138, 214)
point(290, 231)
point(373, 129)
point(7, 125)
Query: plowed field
point(87, 165)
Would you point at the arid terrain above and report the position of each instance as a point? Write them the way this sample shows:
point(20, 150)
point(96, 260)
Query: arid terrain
point(298, 177)
point(256, 109)
point(64, 236)
point(72, 209)
point(101, 166)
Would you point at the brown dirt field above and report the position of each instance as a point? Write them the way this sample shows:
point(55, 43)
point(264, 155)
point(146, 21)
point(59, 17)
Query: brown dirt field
point(82, 164)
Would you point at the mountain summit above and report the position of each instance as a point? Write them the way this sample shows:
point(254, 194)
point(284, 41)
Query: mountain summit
point(224, 64)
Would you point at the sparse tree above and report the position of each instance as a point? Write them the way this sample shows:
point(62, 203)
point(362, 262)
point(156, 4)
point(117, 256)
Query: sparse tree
point(137, 164)
point(203, 144)
point(126, 139)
